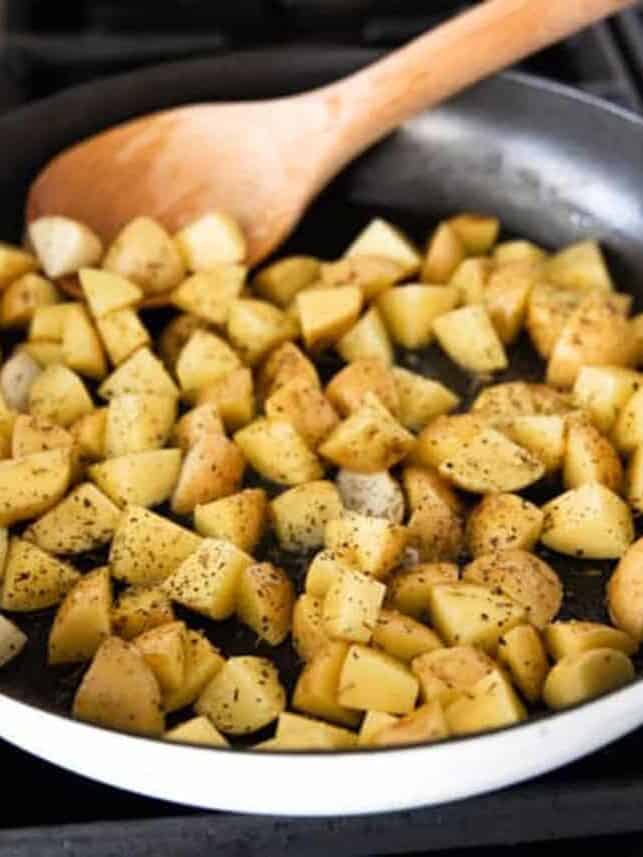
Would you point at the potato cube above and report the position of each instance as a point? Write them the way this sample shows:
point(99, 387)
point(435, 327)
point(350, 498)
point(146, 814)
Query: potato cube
point(122, 333)
point(347, 389)
point(590, 522)
point(83, 620)
point(14, 263)
point(233, 397)
point(490, 704)
point(265, 600)
point(374, 545)
point(318, 684)
point(425, 483)
point(33, 434)
point(23, 296)
point(300, 515)
point(140, 608)
point(210, 294)
point(409, 589)
point(625, 592)
point(373, 722)
point(325, 569)
point(31, 485)
point(578, 678)
point(201, 663)
point(444, 436)
point(34, 580)
point(295, 732)
point(548, 402)
point(144, 253)
point(403, 637)
point(240, 518)
point(278, 452)
point(16, 378)
point(89, 435)
point(477, 232)
point(308, 634)
point(143, 372)
point(470, 340)
point(603, 391)
point(503, 522)
point(147, 547)
point(574, 637)
point(208, 580)
point(409, 312)
point(426, 723)
point(306, 408)
point(64, 246)
point(523, 652)
point(506, 298)
point(444, 253)
point(373, 680)
point(141, 478)
point(244, 696)
point(163, 649)
point(380, 238)
point(282, 280)
point(281, 366)
point(590, 457)
point(105, 292)
point(369, 440)
point(580, 266)
point(213, 468)
point(543, 436)
point(471, 277)
point(82, 349)
point(469, 614)
point(518, 251)
point(197, 422)
point(204, 358)
point(502, 402)
point(548, 310)
point(137, 422)
point(445, 674)
point(175, 335)
point(198, 730)
point(627, 433)
point(351, 606)
point(48, 322)
point(325, 315)
point(59, 395)
point(12, 641)
point(257, 327)
point(211, 239)
point(85, 520)
point(376, 495)
point(367, 339)
point(373, 274)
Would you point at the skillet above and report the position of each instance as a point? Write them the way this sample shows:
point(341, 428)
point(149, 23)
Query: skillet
point(556, 166)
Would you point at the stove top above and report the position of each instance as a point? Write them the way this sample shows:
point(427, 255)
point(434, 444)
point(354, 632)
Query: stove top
point(46, 811)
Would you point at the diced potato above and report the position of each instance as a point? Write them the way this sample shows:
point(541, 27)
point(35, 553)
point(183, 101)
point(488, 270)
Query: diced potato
point(470, 340)
point(367, 339)
point(244, 696)
point(580, 266)
point(240, 518)
point(603, 392)
point(470, 278)
point(348, 387)
point(317, 687)
point(426, 723)
point(278, 452)
point(204, 358)
point(503, 522)
point(491, 463)
point(489, 704)
point(591, 522)
point(436, 530)
point(374, 545)
point(501, 402)
point(105, 292)
point(144, 253)
point(548, 310)
point(445, 674)
point(213, 238)
point(369, 440)
point(325, 315)
point(198, 730)
point(85, 520)
point(163, 649)
point(549, 402)
point(89, 435)
point(590, 457)
point(210, 294)
point(421, 399)
point(574, 637)
point(141, 478)
point(213, 468)
point(122, 333)
point(380, 238)
point(409, 590)
point(373, 722)
point(625, 592)
point(477, 232)
point(403, 637)
point(44, 353)
point(518, 251)
point(137, 422)
point(143, 372)
point(469, 614)
point(23, 296)
point(373, 680)
point(525, 578)
point(409, 312)
point(422, 483)
point(82, 349)
point(12, 641)
point(376, 495)
point(138, 609)
point(295, 732)
point(300, 515)
point(308, 634)
point(265, 600)
point(543, 436)
point(201, 663)
point(506, 298)
point(373, 274)
point(305, 407)
point(522, 651)
point(197, 422)
point(444, 253)
point(257, 327)
point(147, 548)
point(233, 397)
point(59, 395)
point(281, 366)
point(32, 579)
point(208, 580)
point(30, 486)
point(627, 433)
point(33, 434)
point(83, 620)
point(352, 605)
point(578, 678)
point(16, 379)
point(282, 280)
point(175, 335)
point(64, 246)
point(120, 691)
point(595, 334)
point(14, 263)
point(325, 569)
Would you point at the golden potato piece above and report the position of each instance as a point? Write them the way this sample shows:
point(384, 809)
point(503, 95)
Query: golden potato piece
point(580, 266)
point(548, 309)
point(213, 468)
point(410, 311)
point(240, 518)
point(578, 678)
point(202, 420)
point(308, 634)
point(627, 432)
point(326, 567)
point(423, 483)
point(201, 663)
point(106, 293)
point(82, 348)
point(352, 605)
point(14, 263)
point(503, 522)
point(31, 485)
point(348, 387)
point(213, 238)
point(144, 253)
point(175, 335)
point(138, 609)
point(282, 280)
point(477, 232)
point(198, 730)
point(470, 340)
point(59, 395)
point(23, 296)
point(278, 452)
point(316, 691)
point(141, 478)
point(403, 637)
point(295, 732)
point(325, 315)
point(506, 297)
point(590, 457)
point(373, 722)
point(257, 327)
point(573, 637)
point(426, 723)
point(281, 366)
point(517, 251)
point(300, 515)
point(265, 599)
point(305, 407)
point(233, 397)
point(436, 530)
point(376, 495)
point(12, 641)
point(210, 294)
point(522, 651)
point(373, 680)
point(33, 579)
point(409, 589)
point(445, 674)
point(374, 545)
point(16, 377)
point(490, 704)
point(163, 649)
point(501, 402)
point(373, 274)
point(421, 399)
point(367, 339)
point(634, 480)
point(471, 277)
point(603, 391)
point(444, 253)
point(32, 435)
point(137, 422)
point(444, 436)
point(380, 238)
point(122, 333)
point(141, 373)
point(83, 620)
point(541, 435)
point(625, 592)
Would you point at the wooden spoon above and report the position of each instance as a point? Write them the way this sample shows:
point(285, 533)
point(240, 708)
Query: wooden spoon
point(264, 161)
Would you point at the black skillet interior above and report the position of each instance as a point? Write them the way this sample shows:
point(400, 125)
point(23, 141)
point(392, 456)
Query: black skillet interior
point(555, 167)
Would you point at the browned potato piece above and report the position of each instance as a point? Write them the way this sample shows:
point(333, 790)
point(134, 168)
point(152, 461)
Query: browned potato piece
point(625, 592)
point(325, 315)
point(138, 609)
point(35, 434)
point(122, 333)
point(573, 637)
point(89, 435)
point(210, 294)
point(374, 545)
point(163, 649)
point(522, 651)
point(590, 457)
point(477, 232)
point(83, 619)
point(421, 483)
point(409, 589)
point(525, 578)
point(577, 678)
point(410, 312)
point(204, 358)
point(300, 515)
point(421, 399)
point(503, 522)
point(137, 422)
point(213, 468)
point(32, 579)
point(141, 478)
point(317, 688)
point(59, 395)
point(295, 732)
point(470, 278)
point(256, 327)
point(541, 435)
point(233, 397)
point(373, 680)
point(265, 600)
point(325, 569)
point(240, 518)
point(376, 495)
point(373, 722)
point(603, 392)
point(445, 673)
point(506, 298)
point(426, 723)
point(373, 274)
point(281, 366)
point(470, 339)
point(501, 402)
point(307, 409)
point(22, 297)
point(436, 530)
point(308, 634)
point(380, 238)
point(444, 436)
point(201, 663)
point(348, 387)
point(31, 485)
point(276, 450)
point(444, 253)
point(143, 372)
point(175, 336)
point(580, 266)
point(144, 253)
point(367, 339)
point(489, 704)
point(282, 280)
point(199, 421)
point(403, 637)
point(351, 606)
point(120, 691)
point(548, 310)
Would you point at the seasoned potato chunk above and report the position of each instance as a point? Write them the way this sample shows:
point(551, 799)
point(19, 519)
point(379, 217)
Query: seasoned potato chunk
point(409, 589)
point(210, 294)
point(522, 650)
point(106, 292)
point(373, 680)
point(423, 483)
point(265, 599)
point(163, 649)
point(276, 450)
point(204, 358)
point(518, 251)
point(325, 315)
point(420, 399)
point(489, 704)
point(82, 348)
point(444, 674)
point(471, 277)
point(138, 609)
point(198, 730)
point(542, 435)
point(373, 274)
point(580, 266)
point(470, 340)
point(141, 373)
point(141, 478)
point(63, 246)
point(374, 545)
point(240, 518)
point(199, 421)
point(137, 422)
point(444, 253)
point(31, 485)
point(282, 280)
point(213, 468)
point(548, 310)
point(295, 732)
point(213, 238)
point(603, 392)
point(352, 605)
point(201, 663)
point(83, 619)
point(33, 579)
point(577, 678)
point(300, 515)
point(122, 333)
point(627, 432)
point(348, 387)
point(23, 296)
point(367, 339)
point(59, 395)
point(409, 312)
point(306, 408)
point(373, 722)
point(233, 397)
point(256, 327)
point(32, 435)
point(326, 567)
point(403, 637)
point(625, 592)
point(308, 634)
point(12, 641)
point(144, 253)
point(379, 238)
point(281, 366)
point(16, 378)
point(503, 522)
point(477, 232)
point(376, 495)
point(590, 457)
point(573, 637)
point(444, 436)
point(436, 530)
point(317, 688)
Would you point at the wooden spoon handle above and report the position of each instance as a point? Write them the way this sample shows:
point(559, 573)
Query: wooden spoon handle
point(465, 49)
